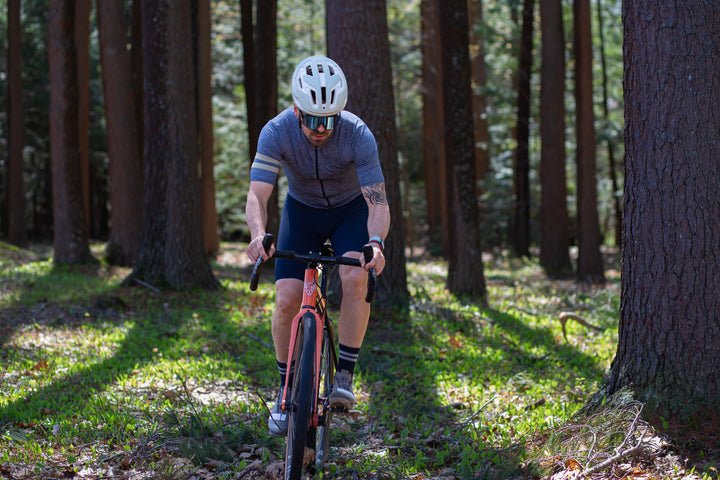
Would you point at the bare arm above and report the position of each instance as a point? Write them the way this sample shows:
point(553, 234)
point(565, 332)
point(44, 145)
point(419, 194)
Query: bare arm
point(256, 217)
point(378, 221)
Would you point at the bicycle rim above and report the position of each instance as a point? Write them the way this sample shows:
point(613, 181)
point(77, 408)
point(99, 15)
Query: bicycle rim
point(327, 371)
point(301, 401)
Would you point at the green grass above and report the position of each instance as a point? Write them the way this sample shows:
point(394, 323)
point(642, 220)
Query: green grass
point(95, 375)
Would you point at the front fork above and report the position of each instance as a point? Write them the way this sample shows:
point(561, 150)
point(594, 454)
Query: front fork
point(306, 315)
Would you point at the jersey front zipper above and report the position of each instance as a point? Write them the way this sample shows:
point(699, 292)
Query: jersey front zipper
point(317, 174)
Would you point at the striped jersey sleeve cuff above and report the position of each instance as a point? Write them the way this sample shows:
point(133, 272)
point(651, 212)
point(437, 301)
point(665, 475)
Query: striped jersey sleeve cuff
point(264, 168)
point(263, 162)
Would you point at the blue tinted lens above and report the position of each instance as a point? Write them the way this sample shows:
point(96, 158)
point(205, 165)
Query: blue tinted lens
point(313, 123)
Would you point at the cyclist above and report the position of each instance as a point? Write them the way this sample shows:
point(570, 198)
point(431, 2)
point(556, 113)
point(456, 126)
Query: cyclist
point(336, 191)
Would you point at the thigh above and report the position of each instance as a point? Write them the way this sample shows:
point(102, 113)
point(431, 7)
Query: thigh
point(300, 232)
point(350, 232)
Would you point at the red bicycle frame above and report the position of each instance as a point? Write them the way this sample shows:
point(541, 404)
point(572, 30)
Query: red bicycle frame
point(308, 312)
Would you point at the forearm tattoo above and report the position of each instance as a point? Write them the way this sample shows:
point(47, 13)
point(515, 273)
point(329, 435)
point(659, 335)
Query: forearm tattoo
point(375, 194)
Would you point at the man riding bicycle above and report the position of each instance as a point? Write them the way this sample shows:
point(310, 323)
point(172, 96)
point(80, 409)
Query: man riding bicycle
point(336, 191)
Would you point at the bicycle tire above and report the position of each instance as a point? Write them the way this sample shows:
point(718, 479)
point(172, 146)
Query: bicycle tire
point(301, 399)
point(327, 372)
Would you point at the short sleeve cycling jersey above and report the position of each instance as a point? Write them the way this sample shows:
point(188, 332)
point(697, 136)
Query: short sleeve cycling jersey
point(325, 177)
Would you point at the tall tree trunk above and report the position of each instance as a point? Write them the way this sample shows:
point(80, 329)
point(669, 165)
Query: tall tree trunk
point(521, 211)
point(125, 169)
point(616, 200)
point(171, 253)
point(211, 240)
point(261, 70)
point(433, 138)
point(247, 32)
point(136, 57)
point(590, 261)
point(669, 335)
point(479, 99)
point(82, 45)
point(358, 41)
point(465, 267)
point(554, 221)
point(266, 98)
point(70, 227)
point(17, 228)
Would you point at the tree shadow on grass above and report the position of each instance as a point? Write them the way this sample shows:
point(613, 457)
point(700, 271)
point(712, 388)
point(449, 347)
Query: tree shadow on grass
point(424, 412)
point(69, 394)
point(48, 301)
point(153, 327)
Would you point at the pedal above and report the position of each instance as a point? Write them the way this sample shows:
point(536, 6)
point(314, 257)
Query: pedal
point(354, 414)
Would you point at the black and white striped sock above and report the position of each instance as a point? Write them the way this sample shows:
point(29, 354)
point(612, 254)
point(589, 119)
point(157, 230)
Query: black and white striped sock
point(347, 358)
point(283, 369)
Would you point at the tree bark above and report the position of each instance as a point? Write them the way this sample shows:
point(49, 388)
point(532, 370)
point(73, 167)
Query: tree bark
point(669, 334)
point(521, 184)
point(479, 101)
point(266, 98)
point(465, 267)
point(590, 261)
point(358, 41)
point(136, 57)
point(247, 32)
point(70, 226)
point(17, 227)
point(260, 81)
point(82, 45)
point(125, 164)
point(433, 138)
point(554, 221)
point(172, 253)
point(211, 239)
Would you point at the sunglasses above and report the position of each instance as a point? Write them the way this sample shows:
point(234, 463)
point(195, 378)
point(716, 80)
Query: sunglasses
point(313, 123)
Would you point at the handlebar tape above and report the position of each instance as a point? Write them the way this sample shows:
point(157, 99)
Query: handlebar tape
point(267, 242)
point(368, 253)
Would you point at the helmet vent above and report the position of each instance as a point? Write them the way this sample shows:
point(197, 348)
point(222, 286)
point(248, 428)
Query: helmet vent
point(323, 94)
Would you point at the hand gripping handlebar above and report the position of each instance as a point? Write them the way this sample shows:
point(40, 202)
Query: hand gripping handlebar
point(315, 258)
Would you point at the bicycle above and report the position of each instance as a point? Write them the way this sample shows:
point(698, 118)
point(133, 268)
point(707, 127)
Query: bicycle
point(312, 348)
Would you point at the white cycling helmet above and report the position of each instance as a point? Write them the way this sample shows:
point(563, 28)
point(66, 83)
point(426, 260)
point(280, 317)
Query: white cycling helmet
point(319, 87)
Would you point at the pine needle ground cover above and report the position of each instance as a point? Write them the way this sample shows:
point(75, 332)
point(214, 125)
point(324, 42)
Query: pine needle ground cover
point(103, 381)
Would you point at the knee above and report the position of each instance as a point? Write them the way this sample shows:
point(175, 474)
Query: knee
point(287, 302)
point(285, 308)
point(354, 281)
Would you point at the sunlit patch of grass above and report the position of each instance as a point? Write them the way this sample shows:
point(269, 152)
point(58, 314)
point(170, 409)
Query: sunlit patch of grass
point(159, 381)
point(486, 377)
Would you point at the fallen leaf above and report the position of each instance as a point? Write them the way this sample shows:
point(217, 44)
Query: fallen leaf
point(573, 464)
point(41, 365)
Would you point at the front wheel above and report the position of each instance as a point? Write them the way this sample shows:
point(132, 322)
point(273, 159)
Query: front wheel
point(300, 400)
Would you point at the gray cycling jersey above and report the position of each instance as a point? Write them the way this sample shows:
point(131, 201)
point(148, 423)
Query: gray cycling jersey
point(329, 176)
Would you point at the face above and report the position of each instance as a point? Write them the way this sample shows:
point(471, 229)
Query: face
point(316, 137)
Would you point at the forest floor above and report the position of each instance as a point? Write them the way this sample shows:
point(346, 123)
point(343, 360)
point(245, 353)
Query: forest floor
point(103, 381)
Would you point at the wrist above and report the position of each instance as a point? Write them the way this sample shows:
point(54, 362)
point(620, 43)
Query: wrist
point(378, 241)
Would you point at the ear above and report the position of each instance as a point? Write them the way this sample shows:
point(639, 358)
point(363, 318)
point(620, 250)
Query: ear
point(297, 112)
